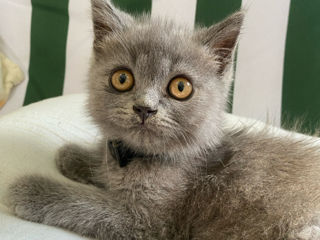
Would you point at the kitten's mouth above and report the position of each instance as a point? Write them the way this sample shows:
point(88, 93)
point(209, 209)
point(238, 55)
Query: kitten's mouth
point(143, 124)
point(145, 129)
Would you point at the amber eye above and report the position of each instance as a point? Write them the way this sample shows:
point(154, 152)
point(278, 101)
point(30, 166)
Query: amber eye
point(180, 88)
point(122, 80)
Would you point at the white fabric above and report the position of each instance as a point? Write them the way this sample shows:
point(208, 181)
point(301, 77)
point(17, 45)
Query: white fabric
point(260, 60)
point(29, 139)
point(15, 25)
point(181, 11)
point(79, 46)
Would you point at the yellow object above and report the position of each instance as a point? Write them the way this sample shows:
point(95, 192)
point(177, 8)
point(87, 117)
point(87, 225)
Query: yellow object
point(10, 76)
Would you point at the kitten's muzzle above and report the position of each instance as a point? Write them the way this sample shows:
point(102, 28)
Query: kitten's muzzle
point(144, 112)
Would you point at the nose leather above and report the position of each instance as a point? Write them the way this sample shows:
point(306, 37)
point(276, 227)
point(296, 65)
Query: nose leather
point(144, 112)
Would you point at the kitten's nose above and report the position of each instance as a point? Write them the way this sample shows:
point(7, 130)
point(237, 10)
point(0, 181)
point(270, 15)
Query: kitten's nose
point(144, 112)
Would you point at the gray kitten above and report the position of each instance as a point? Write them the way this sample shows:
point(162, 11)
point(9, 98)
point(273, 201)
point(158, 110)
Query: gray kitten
point(167, 167)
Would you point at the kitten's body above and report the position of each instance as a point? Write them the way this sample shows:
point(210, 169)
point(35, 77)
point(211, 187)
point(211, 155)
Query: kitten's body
point(254, 186)
point(196, 179)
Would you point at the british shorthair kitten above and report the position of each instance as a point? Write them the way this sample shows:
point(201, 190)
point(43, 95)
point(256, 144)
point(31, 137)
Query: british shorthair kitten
point(168, 168)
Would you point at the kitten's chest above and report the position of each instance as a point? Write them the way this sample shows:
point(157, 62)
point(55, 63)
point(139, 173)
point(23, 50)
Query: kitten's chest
point(153, 181)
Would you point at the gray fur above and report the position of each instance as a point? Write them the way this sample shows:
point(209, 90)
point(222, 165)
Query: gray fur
point(198, 180)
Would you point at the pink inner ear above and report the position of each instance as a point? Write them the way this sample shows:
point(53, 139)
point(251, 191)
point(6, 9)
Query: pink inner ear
point(228, 42)
point(223, 49)
point(100, 30)
point(223, 61)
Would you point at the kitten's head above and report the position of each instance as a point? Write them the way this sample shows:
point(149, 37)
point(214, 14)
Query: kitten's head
point(157, 86)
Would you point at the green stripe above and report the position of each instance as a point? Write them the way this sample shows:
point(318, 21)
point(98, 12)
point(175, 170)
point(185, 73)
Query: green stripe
point(301, 82)
point(49, 27)
point(133, 6)
point(213, 11)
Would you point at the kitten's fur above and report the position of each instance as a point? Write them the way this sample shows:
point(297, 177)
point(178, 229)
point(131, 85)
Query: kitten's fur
point(198, 179)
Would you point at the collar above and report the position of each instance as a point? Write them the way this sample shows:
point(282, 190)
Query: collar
point(122, 153)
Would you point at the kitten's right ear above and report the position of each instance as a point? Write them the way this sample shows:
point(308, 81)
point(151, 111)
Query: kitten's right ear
point(107, 19)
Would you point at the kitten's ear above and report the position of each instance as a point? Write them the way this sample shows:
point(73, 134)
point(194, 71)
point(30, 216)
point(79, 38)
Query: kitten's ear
point(107, 19)
point(222, 38)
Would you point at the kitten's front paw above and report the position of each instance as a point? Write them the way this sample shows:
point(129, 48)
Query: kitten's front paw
point(30, 199)
point(72, 162)
point(65, 159)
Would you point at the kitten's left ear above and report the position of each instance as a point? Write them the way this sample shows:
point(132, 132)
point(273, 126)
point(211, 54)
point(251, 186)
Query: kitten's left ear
point(222, 38)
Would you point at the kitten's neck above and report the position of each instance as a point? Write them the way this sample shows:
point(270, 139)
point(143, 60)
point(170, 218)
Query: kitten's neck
point(123, 153)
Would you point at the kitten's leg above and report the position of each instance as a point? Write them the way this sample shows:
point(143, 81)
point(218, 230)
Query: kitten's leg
point(80, 164)
point(84, 209)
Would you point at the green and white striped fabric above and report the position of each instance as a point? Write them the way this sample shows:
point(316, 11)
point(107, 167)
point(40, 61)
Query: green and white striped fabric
point(277, 74)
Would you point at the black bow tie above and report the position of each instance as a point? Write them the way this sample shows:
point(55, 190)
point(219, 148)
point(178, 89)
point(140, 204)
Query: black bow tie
point(122, 153)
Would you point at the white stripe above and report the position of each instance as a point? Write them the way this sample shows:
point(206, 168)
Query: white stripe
point(79, 45)
point(15, 28)
point(181, 11)
point(258, 85)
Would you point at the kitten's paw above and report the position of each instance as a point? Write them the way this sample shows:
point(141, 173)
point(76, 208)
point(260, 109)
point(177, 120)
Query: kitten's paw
point(30, 197)
point(71, 161)
point(65, 157)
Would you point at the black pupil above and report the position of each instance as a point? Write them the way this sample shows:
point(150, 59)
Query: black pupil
point(122, 78)
point(181, 86)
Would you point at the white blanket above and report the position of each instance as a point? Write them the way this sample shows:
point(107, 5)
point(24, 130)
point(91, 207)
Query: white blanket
point(29, 139)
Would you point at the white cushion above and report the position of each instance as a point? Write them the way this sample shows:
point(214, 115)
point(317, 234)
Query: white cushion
point(29, 139)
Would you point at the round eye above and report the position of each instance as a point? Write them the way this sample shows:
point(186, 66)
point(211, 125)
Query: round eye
point(122, 80)
point(180, 88)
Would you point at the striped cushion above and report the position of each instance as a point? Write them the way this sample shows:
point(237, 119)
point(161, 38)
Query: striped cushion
point(278, 59)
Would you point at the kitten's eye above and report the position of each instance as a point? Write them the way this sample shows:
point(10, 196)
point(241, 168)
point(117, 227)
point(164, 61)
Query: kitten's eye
point(122, 80)
point(180, 88)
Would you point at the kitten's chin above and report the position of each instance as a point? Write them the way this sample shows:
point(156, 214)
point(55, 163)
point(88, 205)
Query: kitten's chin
point(145, 138)
point(150, 143)
point(148, 140)
point(153, 140)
